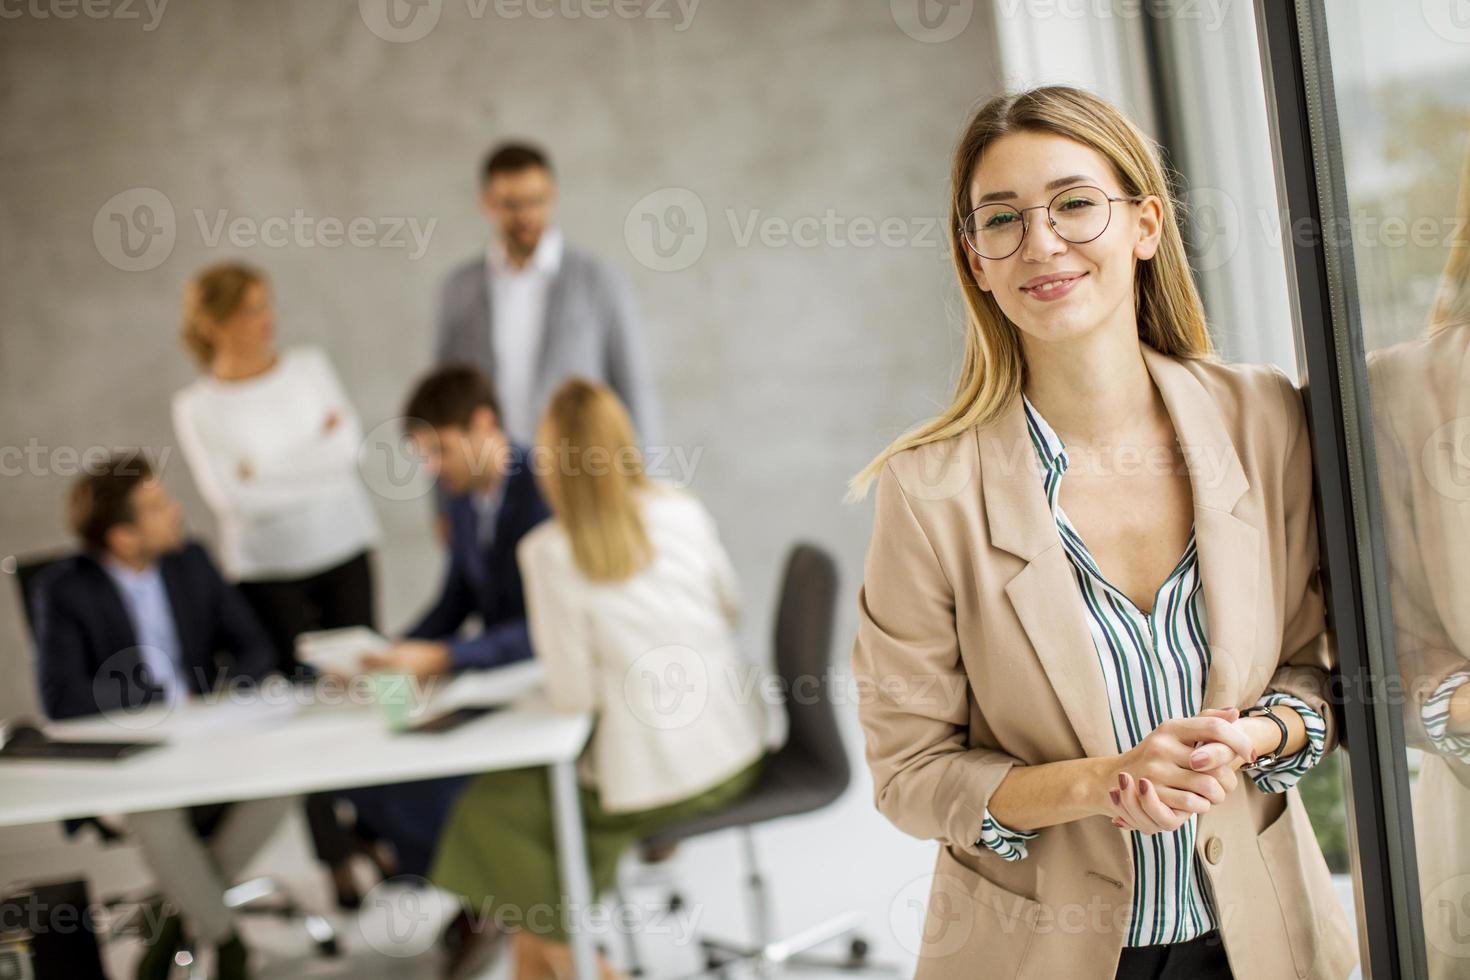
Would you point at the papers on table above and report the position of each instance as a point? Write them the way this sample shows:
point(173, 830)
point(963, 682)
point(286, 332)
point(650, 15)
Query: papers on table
point(491, 686)
point(339, 651)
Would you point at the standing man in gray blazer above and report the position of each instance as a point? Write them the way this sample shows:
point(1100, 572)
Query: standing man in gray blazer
point(537, 309)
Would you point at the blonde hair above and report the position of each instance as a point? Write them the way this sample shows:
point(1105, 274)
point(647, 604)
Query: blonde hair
point(211, 297)
point(1171, 317)
point(1452, 304)
point(593, 488)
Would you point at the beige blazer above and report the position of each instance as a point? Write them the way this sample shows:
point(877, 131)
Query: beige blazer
point(973, 655)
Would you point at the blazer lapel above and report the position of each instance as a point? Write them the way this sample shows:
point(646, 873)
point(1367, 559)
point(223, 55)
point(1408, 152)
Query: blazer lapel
point(1021, 522)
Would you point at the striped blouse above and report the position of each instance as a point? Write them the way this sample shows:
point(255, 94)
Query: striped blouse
point(1155, 665)
point(1436, 716)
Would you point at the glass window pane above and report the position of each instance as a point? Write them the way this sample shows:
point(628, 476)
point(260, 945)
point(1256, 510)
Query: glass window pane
point(1403, 102)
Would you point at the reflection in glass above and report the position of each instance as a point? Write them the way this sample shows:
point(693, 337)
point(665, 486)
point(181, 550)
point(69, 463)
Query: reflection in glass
point(1420, 391)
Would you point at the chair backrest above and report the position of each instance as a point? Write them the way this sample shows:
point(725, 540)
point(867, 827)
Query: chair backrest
point(803, 645)
point(27, 570)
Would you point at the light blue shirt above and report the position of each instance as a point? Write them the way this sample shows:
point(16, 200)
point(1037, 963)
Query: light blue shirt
point(146, 600)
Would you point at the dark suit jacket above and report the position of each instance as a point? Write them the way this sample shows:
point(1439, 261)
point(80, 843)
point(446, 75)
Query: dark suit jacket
point(487, 581)
point(86, 645)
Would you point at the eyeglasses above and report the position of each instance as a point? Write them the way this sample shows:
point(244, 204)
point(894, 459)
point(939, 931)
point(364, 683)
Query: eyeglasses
point(1078, 215)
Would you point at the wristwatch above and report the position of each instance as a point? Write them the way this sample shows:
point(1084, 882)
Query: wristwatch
point(1270, 759)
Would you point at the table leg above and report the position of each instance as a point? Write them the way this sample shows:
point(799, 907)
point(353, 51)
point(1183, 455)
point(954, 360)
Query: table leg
point(571, 859)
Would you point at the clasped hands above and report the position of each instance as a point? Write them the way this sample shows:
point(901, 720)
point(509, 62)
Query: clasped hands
point(1183, 767)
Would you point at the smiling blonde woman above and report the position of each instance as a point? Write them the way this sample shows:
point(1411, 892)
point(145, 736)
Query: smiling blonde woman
point(1104, 552)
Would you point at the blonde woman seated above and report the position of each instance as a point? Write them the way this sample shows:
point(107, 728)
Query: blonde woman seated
point(631, 601)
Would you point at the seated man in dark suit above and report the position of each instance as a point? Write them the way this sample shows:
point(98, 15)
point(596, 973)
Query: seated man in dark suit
point(142, 617)
point(453, 419)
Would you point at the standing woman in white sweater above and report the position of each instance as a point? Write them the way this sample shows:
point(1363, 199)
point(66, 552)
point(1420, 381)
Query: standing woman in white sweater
point(272, 442)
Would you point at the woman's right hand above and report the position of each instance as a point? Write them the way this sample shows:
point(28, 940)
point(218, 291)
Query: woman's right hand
point(1158, 791)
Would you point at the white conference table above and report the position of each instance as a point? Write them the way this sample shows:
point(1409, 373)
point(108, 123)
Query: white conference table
point(273, 746)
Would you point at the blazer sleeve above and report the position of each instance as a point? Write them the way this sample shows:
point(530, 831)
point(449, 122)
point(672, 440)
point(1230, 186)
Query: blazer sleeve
point(559, 635)
point(63, 670)
point(506, 642)
point(927, 780)
point(1308, 653)
point(626, 362)
point(445, 319)
point(452, 607)
point(726, 581)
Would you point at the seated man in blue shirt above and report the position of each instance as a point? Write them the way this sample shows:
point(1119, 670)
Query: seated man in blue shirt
point(454, 422)
point(140, 618)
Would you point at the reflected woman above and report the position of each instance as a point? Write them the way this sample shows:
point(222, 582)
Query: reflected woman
point(1091, 597)
point(1421, 427)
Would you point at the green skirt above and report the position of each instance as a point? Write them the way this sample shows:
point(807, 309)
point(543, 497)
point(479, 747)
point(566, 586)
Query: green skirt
point(498, 848)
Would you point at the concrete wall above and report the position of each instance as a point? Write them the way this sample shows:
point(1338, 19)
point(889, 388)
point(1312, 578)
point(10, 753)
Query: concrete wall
point(786, 358)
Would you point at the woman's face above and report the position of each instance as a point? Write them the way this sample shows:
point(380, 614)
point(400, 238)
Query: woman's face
point(1027, 169)
point(251, 329)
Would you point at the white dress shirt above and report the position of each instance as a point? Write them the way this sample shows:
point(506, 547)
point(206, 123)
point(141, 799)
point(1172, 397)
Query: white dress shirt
point(517, 321)
point(286, 492)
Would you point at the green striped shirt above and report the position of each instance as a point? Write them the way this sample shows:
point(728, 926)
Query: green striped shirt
point(1155, 665)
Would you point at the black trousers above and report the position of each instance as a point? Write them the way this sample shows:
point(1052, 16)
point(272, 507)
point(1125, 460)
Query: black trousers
point(1200, 958)
point(340, 596)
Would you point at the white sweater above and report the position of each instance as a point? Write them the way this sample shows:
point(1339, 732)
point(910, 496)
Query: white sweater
point(678, 708)
point(285, 491)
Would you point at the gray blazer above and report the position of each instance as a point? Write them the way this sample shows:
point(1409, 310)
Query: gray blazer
point(591, 330)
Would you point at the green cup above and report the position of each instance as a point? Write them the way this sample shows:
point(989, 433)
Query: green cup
point(397, 697)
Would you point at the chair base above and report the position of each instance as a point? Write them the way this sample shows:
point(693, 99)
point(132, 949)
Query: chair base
point(766, 956)
point(793, 952)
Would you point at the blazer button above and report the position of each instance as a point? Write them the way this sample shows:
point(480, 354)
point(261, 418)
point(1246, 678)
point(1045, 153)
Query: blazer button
point(1214, 847)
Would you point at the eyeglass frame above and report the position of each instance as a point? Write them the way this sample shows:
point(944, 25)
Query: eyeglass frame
point(1026, 222)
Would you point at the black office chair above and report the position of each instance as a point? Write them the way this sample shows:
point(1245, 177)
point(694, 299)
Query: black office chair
point(806, 774)
point(262, 895)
